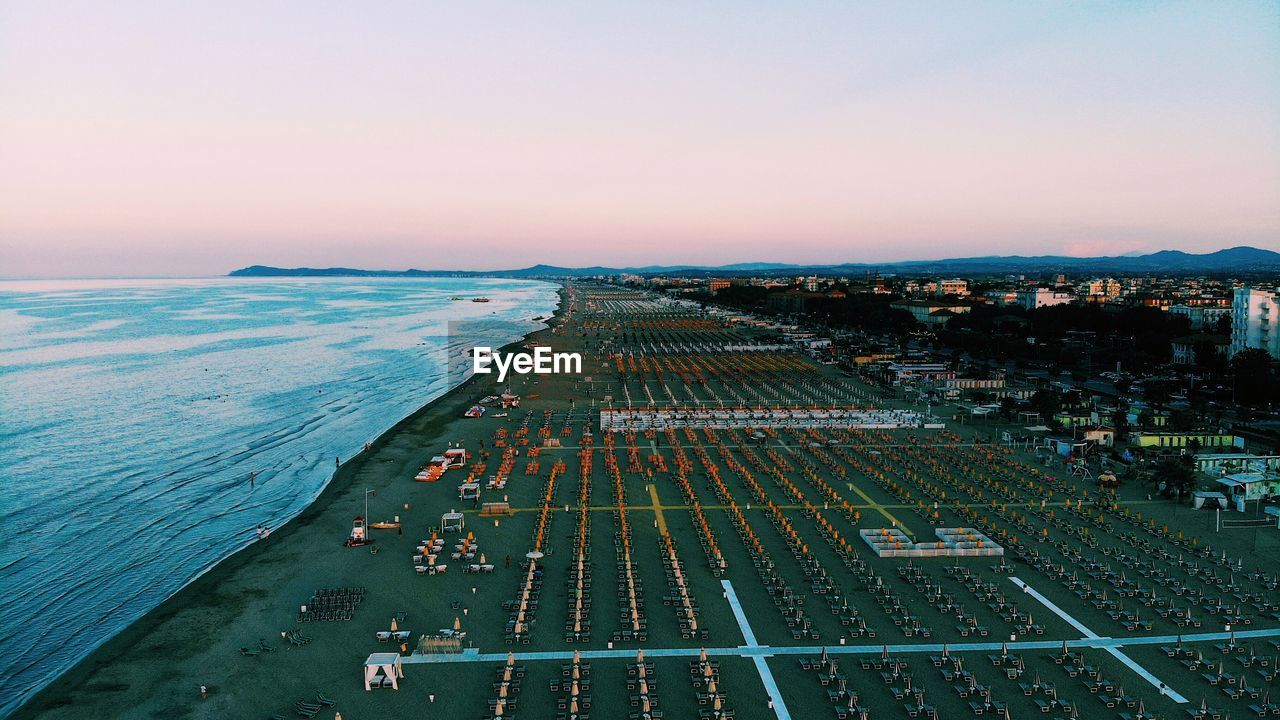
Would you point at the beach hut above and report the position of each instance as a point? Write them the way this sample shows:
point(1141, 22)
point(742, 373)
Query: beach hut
point(452, 521)
point(383, 665)
point(455, 457)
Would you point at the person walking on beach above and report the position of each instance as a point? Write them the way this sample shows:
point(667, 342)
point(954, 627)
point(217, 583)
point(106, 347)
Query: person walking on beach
point(508, 561)
point(204, 692)
point(252, 477)
point(337, 462)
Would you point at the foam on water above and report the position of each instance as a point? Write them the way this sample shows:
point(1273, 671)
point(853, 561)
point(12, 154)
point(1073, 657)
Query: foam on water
point(131, 413)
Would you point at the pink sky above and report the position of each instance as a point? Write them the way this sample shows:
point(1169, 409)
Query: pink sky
point(190, 139)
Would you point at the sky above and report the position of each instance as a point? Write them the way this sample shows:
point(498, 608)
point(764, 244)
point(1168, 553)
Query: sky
point(188, 139)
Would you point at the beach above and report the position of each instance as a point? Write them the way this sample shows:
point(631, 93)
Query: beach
point(735, 529)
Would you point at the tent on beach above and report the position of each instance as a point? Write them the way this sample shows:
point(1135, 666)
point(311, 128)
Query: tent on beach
point(387, 664)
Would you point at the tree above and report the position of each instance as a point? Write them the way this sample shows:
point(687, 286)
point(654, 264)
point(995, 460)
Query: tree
point(1047, 403)
point(1182, 420)
point(1008, 406)
point(1177, 475)
point(1253, 378)
point(1120, 419)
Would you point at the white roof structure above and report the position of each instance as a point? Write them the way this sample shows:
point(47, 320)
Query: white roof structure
point(1244, 478)
point(388, 664)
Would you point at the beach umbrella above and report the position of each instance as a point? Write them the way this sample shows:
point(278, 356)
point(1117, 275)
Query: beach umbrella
point(457, 623)
point(394, 626)
point(702, 655)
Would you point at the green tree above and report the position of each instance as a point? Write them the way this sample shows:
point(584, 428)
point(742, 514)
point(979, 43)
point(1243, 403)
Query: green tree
point(1254, 384)
point(1120, 420)
point(1047, 403)
point(1177, 475)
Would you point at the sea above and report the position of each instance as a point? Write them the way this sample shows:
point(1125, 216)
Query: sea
point(132, 413)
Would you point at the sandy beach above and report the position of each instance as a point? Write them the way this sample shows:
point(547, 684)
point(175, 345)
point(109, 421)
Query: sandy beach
point(740, 541)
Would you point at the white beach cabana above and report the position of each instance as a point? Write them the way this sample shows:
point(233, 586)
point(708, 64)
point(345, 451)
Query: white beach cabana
point(387, 664)
point(452, 521)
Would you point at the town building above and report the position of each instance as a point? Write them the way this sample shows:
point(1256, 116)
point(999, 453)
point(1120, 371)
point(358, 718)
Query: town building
point(1254, 315)
point(1043, 297)
point(931, 312)
point(1200, 317)
point(1183, 440)
point(1185, 348)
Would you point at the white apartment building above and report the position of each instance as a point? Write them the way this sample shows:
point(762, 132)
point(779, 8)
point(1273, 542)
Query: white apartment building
point(954, 286)
point(1042, 297)
point(1200, 317)
point(1254, 318)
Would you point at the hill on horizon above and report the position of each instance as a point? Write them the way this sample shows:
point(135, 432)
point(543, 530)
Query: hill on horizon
point(1241, 259)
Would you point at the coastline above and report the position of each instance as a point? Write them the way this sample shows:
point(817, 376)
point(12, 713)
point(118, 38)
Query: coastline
point(428, 420)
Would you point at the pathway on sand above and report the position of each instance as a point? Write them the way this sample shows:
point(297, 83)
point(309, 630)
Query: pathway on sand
point(1098, 642)
point(1113, 649)
point(762, 665)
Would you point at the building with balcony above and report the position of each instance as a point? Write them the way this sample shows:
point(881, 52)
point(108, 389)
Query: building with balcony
point(1253, 321)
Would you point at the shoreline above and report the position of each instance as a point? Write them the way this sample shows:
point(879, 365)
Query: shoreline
point(435, 414)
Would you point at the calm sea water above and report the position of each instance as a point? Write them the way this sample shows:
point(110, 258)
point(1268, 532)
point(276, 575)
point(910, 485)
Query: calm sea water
point(132, 412)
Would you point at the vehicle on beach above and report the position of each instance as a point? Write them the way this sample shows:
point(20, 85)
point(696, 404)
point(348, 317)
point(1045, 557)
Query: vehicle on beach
point(480, 299)
point(359, 536)
point(475, 411)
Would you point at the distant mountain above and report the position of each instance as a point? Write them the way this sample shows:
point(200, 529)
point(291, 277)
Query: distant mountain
point(1239, 260)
